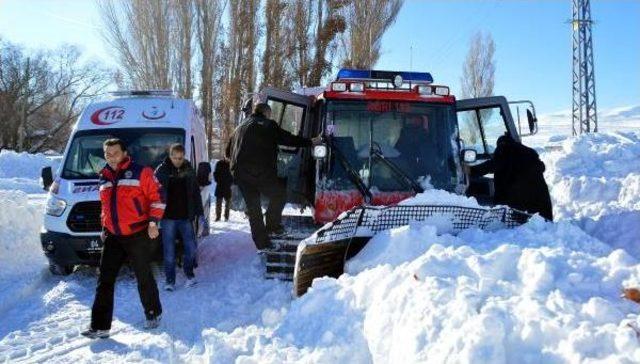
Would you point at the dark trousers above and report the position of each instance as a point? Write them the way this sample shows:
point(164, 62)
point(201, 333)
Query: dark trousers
point(115, 250)
point(227, 206)
point(276, 193)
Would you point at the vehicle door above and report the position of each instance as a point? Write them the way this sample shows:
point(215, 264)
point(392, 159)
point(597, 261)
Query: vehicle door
point(293, 113)
point(481, 121)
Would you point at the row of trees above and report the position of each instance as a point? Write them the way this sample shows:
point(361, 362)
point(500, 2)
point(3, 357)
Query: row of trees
point(215, 51)
point(42, 93)
point(220, 51)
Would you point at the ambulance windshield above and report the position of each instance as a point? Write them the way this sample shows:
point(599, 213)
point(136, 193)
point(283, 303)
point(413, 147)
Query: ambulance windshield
point(146, 146)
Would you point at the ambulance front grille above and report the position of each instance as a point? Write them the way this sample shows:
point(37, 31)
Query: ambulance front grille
point(85, 217)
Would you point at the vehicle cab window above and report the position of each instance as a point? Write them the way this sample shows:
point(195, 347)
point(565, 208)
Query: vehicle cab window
point(480, 128)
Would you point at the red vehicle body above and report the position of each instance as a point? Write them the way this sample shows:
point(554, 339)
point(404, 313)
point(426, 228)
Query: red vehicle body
point(366, 110)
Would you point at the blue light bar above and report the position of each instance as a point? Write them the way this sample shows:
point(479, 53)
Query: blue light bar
point(415, 77)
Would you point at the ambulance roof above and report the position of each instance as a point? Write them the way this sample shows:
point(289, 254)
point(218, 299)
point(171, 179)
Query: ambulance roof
point(138, 112)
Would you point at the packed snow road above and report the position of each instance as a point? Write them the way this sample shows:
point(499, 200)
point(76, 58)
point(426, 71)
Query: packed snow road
point(231, 293)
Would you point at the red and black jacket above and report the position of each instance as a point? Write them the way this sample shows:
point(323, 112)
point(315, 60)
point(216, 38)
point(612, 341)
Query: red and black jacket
point(130, 198)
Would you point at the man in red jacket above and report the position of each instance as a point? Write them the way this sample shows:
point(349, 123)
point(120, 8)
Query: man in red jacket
point(131, 208)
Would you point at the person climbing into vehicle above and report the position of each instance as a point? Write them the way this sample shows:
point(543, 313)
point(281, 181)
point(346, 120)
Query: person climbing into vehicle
point(518, 177)
point(252, 152)
point(131, 208)
point(224, 180)
point(184, 204)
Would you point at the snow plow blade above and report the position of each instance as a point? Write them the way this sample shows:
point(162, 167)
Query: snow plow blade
point(325, 252)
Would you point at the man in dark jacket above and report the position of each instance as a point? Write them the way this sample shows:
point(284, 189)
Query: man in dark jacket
point(131, 208)
point(518, 177)
point(224, 180)
point(253, 153)
point(182, 193)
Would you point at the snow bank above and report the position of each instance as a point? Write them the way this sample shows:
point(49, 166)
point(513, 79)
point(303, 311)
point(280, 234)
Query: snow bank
point(594, 180)
point(21, 171)
point(21, 257)
point(439, 198)
point(20, 223)
point(542, 292)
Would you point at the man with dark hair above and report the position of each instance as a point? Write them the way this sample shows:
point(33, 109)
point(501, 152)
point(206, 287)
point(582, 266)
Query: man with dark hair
point(253, 153)
point(224, 180)
point(184, 204)
point(518, 177)
point(131, 208)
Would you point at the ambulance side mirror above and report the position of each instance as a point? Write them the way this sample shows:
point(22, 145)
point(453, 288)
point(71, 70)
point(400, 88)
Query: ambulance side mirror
point(319, 151)
point(203, 174)
point(47, 177)
point(469, 155)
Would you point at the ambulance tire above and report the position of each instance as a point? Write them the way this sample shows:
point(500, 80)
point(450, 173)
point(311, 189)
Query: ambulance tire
point(60, 270)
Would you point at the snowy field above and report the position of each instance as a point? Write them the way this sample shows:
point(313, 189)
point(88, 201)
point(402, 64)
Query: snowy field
point(540, 293)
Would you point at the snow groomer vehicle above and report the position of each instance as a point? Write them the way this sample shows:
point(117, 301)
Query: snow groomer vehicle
point(388, 136)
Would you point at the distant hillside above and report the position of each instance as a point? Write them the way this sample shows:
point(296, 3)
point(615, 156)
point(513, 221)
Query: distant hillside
point(554, 127)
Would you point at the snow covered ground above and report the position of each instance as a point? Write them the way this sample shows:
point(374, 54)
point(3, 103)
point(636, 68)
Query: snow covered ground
point(543, 292)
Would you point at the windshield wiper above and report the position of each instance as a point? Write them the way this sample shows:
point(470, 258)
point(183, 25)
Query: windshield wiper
point(376, 151)
point(77, 173)
point(354, 177)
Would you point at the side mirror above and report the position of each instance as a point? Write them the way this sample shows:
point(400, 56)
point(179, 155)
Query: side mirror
point(469, 155)
point(47, 177)
point(533, 122)
point(319, 151)
point(203, 174)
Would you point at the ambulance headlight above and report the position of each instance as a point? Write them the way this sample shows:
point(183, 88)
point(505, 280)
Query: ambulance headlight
point(55, 206)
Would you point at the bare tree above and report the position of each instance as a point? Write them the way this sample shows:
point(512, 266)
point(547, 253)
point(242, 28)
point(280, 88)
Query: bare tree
point(208, 29)
point(182, 32)
point(477, 80)
point(277, 49)
point(241, 43)
point(367, 21)
point(316, 25)
point(152, 40)
point(479, 68)
point(42, 93)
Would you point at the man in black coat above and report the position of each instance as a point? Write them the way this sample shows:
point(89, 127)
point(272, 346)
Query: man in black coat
point(518, 177)
point(184, 204)
point(224, 180)
point(253, 154)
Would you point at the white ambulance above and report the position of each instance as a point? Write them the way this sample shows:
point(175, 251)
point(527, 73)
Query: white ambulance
point(148, 121)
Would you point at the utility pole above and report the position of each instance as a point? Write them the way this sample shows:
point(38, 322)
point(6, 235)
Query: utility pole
point(585, 118)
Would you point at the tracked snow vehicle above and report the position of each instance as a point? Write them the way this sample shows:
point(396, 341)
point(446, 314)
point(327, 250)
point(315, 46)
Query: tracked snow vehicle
point(389, 135)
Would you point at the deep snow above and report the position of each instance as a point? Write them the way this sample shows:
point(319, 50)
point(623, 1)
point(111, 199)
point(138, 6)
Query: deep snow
point(543, 292)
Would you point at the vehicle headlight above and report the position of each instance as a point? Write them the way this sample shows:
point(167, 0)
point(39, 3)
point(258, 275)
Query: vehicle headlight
point(55, 206)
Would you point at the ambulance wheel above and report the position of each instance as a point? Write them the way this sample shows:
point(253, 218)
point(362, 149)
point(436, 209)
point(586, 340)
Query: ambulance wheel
point(60, 270)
